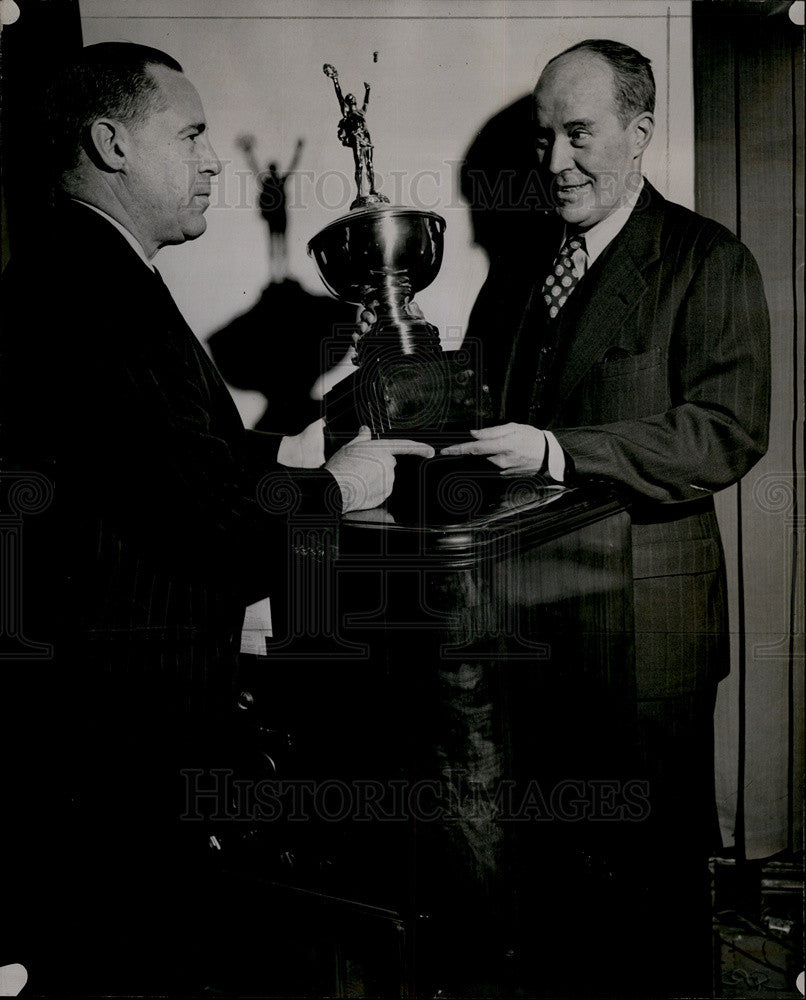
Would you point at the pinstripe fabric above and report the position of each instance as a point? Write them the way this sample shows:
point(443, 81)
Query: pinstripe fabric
point(139, 575)
point(655, 377)
point(158, 541)
point(659, 382)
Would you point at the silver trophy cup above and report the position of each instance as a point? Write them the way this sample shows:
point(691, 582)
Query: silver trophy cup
point(380, 256)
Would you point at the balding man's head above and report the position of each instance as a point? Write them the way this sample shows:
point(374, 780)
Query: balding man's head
point(131, 139)
point(633, 80)
point(108, 80)
point(592, 129)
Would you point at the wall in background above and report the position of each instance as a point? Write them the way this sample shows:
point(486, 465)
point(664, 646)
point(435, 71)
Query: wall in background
point(443, 70)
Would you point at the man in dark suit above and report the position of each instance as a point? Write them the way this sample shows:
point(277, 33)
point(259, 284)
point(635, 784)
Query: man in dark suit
point(631, 347)
point(170, 519)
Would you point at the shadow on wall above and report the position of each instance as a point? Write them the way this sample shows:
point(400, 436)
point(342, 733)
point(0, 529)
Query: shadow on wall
point(280, 347)
point(508, 196)
point(290, 337)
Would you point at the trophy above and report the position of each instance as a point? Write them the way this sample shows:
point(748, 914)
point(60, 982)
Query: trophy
point(380, 256)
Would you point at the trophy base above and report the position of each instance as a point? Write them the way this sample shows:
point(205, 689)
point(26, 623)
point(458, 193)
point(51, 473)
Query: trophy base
point(436, 399)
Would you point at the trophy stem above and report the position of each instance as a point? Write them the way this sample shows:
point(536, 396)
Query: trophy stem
point(395, 328)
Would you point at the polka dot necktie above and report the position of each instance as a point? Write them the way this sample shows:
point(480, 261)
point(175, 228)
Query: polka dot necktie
point(564, 275)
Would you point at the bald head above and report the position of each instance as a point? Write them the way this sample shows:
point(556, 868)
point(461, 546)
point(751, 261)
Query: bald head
point(633, 80)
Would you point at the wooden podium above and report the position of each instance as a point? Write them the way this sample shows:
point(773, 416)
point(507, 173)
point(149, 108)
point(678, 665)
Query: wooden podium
point(460, 694)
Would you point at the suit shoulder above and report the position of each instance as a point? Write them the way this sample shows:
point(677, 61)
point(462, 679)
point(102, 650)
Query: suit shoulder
point(702, 235)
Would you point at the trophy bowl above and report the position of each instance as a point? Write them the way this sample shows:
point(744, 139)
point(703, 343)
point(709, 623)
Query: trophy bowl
point(379, 253)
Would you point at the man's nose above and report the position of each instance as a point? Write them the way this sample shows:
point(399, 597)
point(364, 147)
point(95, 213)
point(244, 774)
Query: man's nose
point(561, 157)
point(209, 162)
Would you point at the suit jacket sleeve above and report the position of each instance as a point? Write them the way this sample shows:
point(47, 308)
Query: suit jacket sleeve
point(719, 385)
point(195, 472)
point(157, 475)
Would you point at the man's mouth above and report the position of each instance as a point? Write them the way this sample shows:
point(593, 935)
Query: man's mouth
point(571, 193)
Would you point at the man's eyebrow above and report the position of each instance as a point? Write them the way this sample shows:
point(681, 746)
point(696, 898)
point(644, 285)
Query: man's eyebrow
point(198, 127)
point(583, 122)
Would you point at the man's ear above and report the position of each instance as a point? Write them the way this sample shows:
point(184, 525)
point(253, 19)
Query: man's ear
point(643, 127)
point(107, 144)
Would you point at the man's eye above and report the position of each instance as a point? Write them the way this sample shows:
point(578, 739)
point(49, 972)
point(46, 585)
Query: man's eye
point(579, 135)
point(542, 142)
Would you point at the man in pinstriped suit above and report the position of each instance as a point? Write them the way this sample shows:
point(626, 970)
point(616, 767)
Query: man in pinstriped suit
point(632, 347)
point(141, 572)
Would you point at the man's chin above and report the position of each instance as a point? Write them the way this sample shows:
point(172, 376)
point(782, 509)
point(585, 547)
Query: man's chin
point(194, 227)
point(188, 229)
point(576, 214)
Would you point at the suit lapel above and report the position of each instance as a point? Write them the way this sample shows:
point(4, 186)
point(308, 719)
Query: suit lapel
point(609, 292)
point(532, 319)
point(201, 370)
point(164, 328)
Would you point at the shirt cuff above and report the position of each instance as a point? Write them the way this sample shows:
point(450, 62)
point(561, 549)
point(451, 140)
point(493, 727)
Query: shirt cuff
point(556, 466)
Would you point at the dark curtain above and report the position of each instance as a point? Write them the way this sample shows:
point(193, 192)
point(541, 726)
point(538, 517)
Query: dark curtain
point(749, 129)
point(47, 31)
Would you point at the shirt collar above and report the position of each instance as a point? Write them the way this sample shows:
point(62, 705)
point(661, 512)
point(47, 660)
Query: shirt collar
point(599, 237)
point(124, 232)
